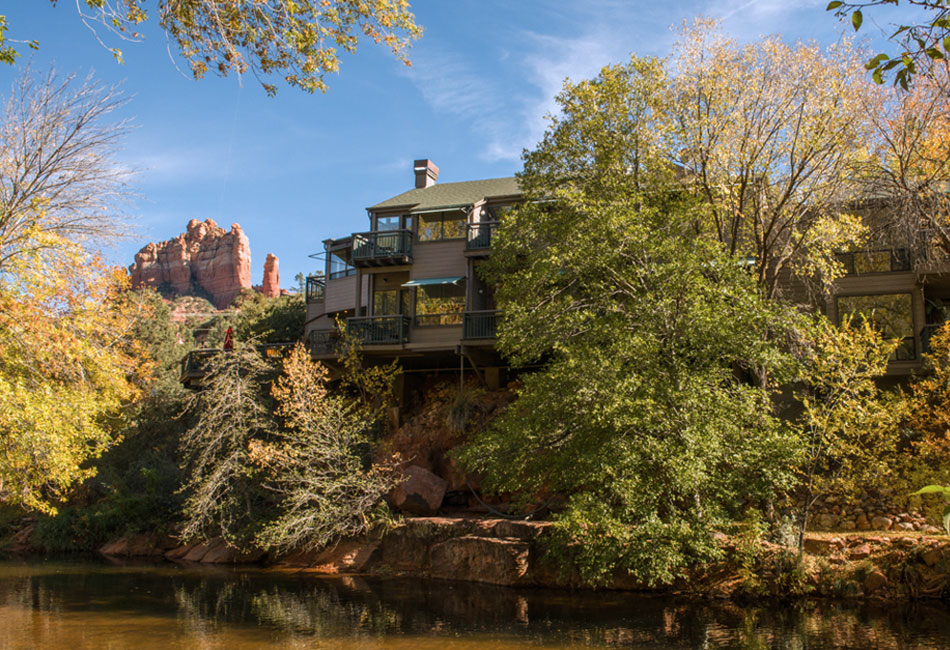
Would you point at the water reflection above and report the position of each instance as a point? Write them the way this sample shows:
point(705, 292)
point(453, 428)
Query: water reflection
point(100, 605)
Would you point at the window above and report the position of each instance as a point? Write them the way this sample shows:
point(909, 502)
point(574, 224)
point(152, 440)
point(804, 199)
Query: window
point(876, 261)
point(440, 304)
point(388, 223)
point(390, 302)
point(437, 226)
point(494, 212)
point(339, 261)
point(890, 313)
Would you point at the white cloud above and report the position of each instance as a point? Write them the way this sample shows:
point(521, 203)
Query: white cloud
point(510, 115)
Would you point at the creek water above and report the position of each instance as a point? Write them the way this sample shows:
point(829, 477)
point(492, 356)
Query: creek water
point(98, 604)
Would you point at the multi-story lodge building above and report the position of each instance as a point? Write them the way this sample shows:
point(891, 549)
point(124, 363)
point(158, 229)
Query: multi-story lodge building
point(409, 286)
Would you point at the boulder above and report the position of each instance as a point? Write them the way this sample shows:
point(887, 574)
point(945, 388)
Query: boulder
point(420, 493)
point(862, 523)
point(480, 559)
point(881, 523)
point(346, 557)
point(876, 580)
point(826, 521)
point(141, 545)
point(860, 552)
point(818, 546)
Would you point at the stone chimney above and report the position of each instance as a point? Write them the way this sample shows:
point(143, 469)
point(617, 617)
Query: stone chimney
point(427, 173)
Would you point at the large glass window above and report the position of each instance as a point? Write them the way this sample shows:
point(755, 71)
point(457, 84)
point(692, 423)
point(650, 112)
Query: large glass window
point(390, 302)
point(892, 314)
point(876, 261)
point(436, 226)
point(440, 304)
point(387, 223)
point(339, 261)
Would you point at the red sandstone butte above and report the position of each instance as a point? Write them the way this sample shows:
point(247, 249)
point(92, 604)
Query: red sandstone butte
point(204, 257)
point(271, 285)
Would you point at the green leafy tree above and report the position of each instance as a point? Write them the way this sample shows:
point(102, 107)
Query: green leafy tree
point(848, 427)
point(639, 415)
point(269, 320)
point(925, 43)
point(296, 39)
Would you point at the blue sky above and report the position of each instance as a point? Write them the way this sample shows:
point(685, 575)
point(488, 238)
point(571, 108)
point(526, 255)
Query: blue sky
point(296, 169)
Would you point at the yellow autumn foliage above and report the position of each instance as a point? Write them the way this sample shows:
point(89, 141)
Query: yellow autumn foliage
point(67, 367)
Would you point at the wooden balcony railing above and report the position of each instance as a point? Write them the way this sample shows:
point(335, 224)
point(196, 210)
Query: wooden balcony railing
point(480, 235)
point(324, 342)
point(480, 324)
point(316, 288)
point(195, 363)
point(382, 247)
point(379, 330)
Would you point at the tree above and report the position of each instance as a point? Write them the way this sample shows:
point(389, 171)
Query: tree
point(848, 428)
point(325, 492)
point(59, 180)
point(66, 370)
point(922, 42)
point(277, 462)
point(270, 320)
point(909, 171)
point(639, 414)
point(298, 39)
point(69, 361)
point(768, 134)
point(225, 474)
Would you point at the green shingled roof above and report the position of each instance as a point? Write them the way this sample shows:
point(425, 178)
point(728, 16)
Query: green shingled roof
point(443, 195)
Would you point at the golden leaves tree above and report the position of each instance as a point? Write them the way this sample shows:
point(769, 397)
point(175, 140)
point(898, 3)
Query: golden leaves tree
point(299, 40)
point(768, 134)
point(68, 363)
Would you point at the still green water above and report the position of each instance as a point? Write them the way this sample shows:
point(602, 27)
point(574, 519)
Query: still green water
point(88, 604)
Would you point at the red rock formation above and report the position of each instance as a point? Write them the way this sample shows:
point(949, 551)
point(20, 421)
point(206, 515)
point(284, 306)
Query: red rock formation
point(271, 284)
point(205, 257)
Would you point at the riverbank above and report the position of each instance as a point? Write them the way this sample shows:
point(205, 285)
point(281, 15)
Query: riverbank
point(880, 566)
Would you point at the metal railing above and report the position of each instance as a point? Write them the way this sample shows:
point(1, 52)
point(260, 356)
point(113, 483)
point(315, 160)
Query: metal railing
point(434, 320)
point(382, 246)
point(324, 342)
point(316, 288)
point(379, 329)
point(480, 324)
point(195, 363)
point(480, 235)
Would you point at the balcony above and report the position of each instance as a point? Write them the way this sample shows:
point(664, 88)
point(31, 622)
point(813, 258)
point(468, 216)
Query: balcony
point(194, 366)
point(480, 235)
point(382, 248)
point(316, 289)
point(480, 324)
point(324, 343)
point(379, 330)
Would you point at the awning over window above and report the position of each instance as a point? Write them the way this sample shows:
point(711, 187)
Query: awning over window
point(428, 282)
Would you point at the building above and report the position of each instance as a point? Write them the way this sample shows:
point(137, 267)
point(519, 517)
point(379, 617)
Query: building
point(409, 287)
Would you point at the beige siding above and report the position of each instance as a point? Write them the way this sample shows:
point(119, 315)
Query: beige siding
point(435, 337)
point(340, 294)
point(314, 310)
point(438, 259)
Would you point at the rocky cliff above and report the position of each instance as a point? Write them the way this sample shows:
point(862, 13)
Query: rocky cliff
point(204, 259)
point(271, 284)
